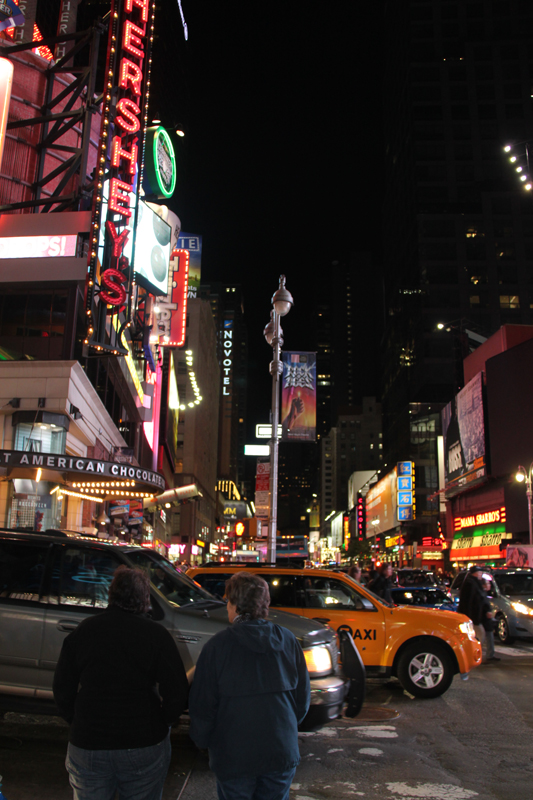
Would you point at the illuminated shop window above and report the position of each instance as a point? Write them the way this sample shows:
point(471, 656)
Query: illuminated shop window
point(40, 438)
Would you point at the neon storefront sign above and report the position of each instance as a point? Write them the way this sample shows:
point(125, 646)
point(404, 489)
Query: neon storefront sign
point(483, 518)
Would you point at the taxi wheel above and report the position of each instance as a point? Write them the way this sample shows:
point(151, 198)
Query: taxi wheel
point(425, 669)
point(503, 631)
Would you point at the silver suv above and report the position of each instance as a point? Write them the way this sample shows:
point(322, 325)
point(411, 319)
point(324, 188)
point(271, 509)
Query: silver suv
point(511, 597)
point(50, 583)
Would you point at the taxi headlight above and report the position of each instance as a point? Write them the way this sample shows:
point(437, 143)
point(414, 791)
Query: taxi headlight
point(317, 659)
point(522, 609)
point(468, 628)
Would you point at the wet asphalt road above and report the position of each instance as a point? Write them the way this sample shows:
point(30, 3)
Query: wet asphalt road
point(474, 741)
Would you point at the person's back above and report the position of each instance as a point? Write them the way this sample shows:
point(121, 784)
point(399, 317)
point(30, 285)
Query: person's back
point(259, 684)
point(120, 683)
point(250, 691)
point(119, 658)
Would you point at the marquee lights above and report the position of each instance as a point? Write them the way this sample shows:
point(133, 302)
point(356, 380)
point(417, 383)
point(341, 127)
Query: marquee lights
point(173, 318)
point(196, 389)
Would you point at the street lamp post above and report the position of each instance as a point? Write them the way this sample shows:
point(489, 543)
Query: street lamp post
point(281, 305)
point(522, 475)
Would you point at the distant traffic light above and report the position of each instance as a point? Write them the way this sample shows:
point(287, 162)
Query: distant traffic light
point(239, 528)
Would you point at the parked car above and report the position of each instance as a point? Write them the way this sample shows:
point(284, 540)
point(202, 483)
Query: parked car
point(511, 596)
point(424, 597)
point(423, 647)
point(416, 577)
point(50, 583)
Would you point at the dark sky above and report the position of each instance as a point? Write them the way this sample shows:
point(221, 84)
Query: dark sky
point(280, 170)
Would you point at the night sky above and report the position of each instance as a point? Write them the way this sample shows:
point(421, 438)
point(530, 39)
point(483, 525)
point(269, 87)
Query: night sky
point(282, 161)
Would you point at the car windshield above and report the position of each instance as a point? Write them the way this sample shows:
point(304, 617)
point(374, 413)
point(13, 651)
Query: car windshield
point(421, 597)
point(511, 583)
point(177, 588)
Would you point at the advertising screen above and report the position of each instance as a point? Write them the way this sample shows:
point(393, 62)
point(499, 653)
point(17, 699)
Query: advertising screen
point(463, 427)
point(381, 506)
point(192, 243)
point(152, 251)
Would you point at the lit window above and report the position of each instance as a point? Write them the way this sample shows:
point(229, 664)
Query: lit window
point(372, 445)
point(509, 301)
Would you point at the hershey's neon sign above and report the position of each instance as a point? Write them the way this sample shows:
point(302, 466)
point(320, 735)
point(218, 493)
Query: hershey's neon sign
point(484, 518)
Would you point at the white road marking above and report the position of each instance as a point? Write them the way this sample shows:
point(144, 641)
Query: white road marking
point(512, 651)
point(376, 731)
point(327, 732)
point(335, 750)
point(370, 751)
point(431, 791)
point(295, 786)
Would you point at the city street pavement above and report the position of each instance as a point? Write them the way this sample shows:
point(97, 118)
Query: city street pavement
point(474, 741)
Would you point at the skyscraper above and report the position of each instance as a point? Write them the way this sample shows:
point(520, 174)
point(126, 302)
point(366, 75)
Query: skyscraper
point(458, 221)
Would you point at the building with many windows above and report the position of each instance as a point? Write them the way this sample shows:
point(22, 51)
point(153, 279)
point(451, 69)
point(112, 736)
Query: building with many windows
point(458, 218)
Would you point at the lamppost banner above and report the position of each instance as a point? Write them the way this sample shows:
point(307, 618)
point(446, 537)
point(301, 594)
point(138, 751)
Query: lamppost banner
point(298, 397)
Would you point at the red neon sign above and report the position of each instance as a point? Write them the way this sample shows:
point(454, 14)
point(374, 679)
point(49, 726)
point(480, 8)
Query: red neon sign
point(179, 265)
point(127, 75)
point(484, 518)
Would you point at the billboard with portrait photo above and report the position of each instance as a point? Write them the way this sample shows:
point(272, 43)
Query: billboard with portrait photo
point(463, 428)
point(298, 397)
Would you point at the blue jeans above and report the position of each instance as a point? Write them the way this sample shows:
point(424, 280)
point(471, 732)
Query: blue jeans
point(274, 786)
point(137, 774)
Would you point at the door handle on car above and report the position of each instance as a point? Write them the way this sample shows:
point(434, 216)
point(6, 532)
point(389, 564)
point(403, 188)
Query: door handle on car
point(323, 620)
point(66, 625)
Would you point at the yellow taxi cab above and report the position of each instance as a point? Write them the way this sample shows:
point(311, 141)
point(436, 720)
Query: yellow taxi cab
point(423, 647)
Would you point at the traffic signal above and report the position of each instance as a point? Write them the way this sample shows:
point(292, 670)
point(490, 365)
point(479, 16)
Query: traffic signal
point(239, 528)
point(360, 518)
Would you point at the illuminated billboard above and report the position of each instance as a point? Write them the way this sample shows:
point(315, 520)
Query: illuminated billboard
point(152, 251)
point(298, 397)
point(380, 505)
point(463, 427)
point(192, 243)
point(38, 246)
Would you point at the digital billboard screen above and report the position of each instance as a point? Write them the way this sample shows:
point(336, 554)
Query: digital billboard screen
point(152, 251)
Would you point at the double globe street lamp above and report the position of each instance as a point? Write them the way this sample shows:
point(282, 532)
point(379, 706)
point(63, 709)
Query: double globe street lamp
point(282, 303)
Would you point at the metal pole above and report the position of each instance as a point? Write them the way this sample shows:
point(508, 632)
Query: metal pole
point(276, 369)
point(529, 494)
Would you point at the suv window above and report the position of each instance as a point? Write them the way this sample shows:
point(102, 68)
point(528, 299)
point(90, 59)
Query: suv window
point(178, 589)
point(331, 593)
point(83, 576)
point(22, 570)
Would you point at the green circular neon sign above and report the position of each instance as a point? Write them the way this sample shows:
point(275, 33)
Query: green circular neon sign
point(160, 162)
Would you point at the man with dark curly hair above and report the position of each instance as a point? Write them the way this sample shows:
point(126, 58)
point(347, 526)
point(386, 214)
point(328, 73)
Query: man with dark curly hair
point(120, 683)
point(250, 692)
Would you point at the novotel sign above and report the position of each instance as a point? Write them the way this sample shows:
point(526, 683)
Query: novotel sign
point(13, 459)
point(483, 518)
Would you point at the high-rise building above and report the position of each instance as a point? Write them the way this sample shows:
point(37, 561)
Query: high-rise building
point(354, 444)
point(347, 340)
point(458, 221)
point(232, 350)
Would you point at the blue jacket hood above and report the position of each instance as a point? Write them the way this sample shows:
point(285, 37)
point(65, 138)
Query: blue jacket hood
point(257, 635)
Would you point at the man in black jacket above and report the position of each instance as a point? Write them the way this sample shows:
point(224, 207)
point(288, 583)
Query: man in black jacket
point(250, 691)
point(120, 683)
point(473, 602)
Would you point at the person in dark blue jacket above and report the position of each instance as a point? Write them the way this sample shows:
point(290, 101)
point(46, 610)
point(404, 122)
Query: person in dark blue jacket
point(250, 691)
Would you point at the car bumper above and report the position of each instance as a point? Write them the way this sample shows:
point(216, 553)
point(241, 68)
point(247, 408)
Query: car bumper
point(469, 655)
point(521, 627)
point(327, 701)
